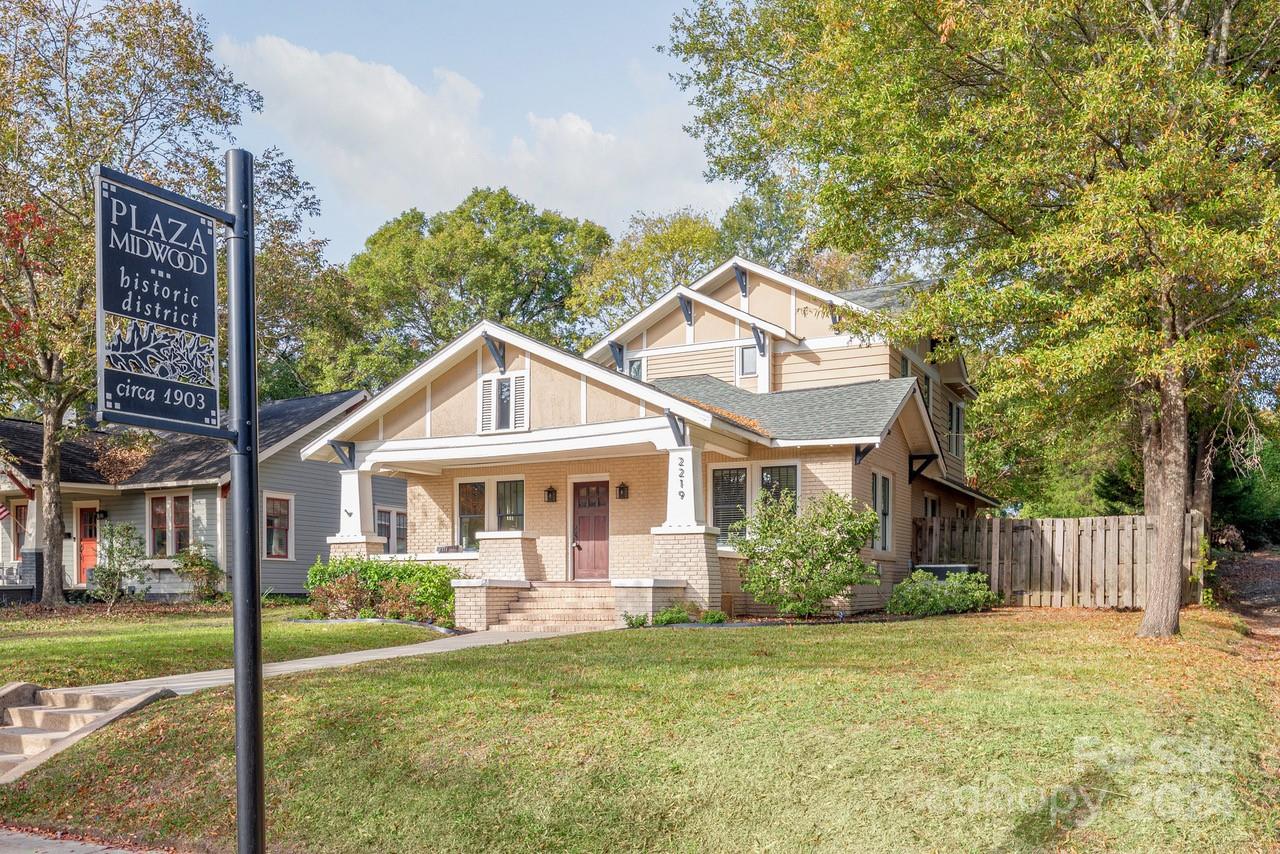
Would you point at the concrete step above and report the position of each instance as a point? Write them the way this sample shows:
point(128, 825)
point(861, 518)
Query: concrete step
point(10, 760)
point(572, 585)
point(27, 740)
point(558, 616)
point(53, 717)
point(79, 700)
point(538, 626)
point(558, 605)
point(562, 593)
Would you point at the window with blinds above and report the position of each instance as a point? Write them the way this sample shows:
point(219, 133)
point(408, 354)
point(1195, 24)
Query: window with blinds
point(882, 504)
point(728, 499)
point(504, 402)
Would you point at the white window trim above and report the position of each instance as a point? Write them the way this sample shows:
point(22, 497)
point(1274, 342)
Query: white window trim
point(495, 376)
point(287, 496)
point(490, 503)
point(937, 503)
point(163, 561)
point(888, 550)
point(753, 468)
point(737, 361)
point(14, 553)
point(627, 363)
point(386, 508)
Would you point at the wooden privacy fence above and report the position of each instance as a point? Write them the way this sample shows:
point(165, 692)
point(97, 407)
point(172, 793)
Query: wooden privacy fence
point(1093, 562)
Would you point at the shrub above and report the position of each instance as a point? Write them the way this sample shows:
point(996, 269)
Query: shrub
point(195, 567)
point(121, 565)
point(1229, 537)
point(396, 601)
point(635, 621)
point(678, 612)
point(924, 595)
point(343, 598)
point(714, 616)
point(796, 561)
point(431, 598)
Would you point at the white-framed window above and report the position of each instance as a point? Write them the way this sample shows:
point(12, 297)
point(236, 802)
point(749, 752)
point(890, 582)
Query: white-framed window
point(734, 488)
point(18, 516)
point(277, 526)
point(747, 360)
point(635, 369)
point(392, 525)
point(168, 523)
point(504, 402)
point(882, 504)
point(487, 504)
point(905, 365)
point(962, 511)
point(926, 394)
point(932, 507)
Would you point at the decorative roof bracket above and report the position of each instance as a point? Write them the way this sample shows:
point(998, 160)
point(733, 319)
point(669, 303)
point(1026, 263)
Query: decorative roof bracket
point(762, 343)
point(686, 307)
point(616, 349)
point(346, 452)
point(679, 429)
point(918, 463)
point(497, 349)
point(741, 275)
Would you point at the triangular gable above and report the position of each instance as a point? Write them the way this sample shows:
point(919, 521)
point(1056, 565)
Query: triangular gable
point(415, 381)
point(659, 308)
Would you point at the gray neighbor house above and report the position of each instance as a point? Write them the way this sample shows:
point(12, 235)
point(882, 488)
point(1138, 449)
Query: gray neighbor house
point(179, 497)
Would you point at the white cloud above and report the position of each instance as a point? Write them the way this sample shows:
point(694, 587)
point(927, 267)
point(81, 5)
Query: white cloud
point(381, 143)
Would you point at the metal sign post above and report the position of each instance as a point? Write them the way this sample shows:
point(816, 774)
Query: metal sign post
point(246, 604)
point(158, 369)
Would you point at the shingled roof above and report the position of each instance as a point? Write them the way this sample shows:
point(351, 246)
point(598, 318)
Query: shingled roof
point(884, 296)
point(855, 410)
point(178, 457)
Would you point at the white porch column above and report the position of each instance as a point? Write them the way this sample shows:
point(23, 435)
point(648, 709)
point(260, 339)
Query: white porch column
point(764, 367)
point(356, 532)
point(685, 502)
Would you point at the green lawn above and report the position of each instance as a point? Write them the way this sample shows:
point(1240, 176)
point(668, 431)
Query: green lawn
point(85, 647)
point(942, 734)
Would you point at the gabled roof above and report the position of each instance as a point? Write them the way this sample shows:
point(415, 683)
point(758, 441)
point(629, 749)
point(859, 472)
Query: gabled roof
point(855, 412)
point(178, 457)
point(883, 296)
point(182, 457)
point(410, 383)
point(22, 440)
point(653, 310)
point(722, 273)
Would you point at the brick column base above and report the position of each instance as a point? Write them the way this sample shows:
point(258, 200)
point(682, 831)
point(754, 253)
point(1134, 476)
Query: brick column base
point(363, 547)
point(689, 555)
point(478, 602)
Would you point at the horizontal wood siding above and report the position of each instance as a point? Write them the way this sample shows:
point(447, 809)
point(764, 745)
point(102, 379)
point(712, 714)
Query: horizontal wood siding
point(718, 363)
point(813, 368)
point(1093, 562)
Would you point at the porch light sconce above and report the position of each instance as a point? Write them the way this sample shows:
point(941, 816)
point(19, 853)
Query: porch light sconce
point(550, 495)
point(102, 514)
point(623, 492)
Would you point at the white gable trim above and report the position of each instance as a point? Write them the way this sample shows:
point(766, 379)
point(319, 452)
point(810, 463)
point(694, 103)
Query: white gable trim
point(814, 291)
point(402, 388)
point(672, 295)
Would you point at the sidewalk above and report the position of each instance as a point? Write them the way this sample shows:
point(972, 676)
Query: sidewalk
point(189, 683)
point(13, 842)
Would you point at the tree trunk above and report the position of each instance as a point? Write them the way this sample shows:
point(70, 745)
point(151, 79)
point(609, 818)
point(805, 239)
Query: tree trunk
point(1164, 582)
point(51, 592)
point(1150, 459)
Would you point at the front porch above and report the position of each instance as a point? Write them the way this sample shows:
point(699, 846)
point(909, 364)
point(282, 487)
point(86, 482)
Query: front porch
point(624, 532)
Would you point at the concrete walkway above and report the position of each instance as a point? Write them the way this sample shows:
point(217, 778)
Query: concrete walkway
point(189, 683)
point(13, 842)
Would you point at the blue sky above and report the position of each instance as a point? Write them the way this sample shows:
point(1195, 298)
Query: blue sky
point(390, 105)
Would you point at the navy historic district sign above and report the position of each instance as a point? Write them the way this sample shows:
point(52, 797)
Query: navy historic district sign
point(157, 306)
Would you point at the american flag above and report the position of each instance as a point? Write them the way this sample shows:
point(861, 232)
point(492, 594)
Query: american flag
point(4, 512)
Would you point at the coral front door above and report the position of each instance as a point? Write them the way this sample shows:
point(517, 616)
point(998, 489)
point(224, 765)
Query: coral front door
point(591, 530)
point(88, 543)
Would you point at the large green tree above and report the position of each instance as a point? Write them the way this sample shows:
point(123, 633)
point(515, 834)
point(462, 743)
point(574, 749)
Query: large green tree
point(132, 84)
point(425, 279)
point(1093, 182)
point(656, 253)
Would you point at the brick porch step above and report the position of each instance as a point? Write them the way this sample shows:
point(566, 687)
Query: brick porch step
point(534, 626)
point(551, 615)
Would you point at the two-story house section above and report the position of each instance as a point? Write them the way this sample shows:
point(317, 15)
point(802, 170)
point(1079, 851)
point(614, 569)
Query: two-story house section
point(569, 488)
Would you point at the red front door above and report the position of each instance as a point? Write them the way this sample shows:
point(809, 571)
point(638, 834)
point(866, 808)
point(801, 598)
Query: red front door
point(88, 542)
point(591, 530)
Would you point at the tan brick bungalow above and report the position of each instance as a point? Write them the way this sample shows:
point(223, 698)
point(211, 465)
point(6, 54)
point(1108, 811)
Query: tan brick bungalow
point(569, 489)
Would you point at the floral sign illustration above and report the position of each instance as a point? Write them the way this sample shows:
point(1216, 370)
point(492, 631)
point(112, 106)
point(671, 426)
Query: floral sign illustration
point(159, 351)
